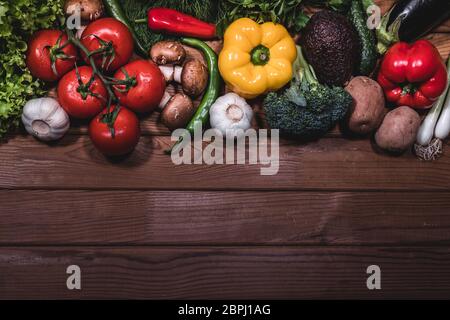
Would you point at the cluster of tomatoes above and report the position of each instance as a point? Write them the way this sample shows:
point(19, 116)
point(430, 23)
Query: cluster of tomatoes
point(86, 92)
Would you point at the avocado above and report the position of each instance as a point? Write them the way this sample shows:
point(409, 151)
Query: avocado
point(332, 47)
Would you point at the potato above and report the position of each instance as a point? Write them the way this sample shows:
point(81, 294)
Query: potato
point(368, 107)
point(398, 130)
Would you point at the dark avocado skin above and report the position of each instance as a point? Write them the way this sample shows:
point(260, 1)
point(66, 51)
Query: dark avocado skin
point(331, 45)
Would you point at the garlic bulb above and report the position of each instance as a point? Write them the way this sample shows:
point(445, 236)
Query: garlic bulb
point(230, 113)
point(45, 119)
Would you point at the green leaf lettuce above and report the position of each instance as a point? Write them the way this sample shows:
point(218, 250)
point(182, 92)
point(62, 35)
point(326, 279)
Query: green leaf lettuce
point(18, 20)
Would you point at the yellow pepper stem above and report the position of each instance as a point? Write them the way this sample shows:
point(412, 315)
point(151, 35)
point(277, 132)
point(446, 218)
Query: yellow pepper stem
point(260, 55)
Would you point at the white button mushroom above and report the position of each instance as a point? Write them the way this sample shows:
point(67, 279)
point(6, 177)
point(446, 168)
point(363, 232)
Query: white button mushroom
point(230, 114)
point(45, 119)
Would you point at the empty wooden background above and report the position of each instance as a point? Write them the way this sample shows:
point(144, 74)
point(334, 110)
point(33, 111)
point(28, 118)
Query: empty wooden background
point(144, 228)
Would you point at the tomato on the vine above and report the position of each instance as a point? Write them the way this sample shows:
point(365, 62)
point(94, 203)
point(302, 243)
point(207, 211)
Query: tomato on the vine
point(121, 138)
point(82, 95)
point(49, 55)
point(112, 38)
point(144, 88)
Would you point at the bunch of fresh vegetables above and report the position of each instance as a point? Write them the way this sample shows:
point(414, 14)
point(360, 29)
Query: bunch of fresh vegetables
point(195, 79)
point(89, 91)
point(108, 88)
point(18, 20)
point(307, 108)
point(99, 80)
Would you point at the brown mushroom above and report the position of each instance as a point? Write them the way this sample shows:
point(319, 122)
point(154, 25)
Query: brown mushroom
point(177, 112)
point(193, 78)
point(89, 9)
point(167, 52)
point(170, 91)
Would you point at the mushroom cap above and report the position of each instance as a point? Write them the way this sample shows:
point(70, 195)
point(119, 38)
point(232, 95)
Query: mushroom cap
point(168, 52)
point(90, 10)
point(194, 78)
point(178, 111)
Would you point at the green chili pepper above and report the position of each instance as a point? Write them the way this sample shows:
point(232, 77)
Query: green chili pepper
point(114, 9)
point(213, 89)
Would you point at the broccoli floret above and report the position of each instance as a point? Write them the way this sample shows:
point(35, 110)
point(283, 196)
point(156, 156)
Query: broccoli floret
point(306, 108)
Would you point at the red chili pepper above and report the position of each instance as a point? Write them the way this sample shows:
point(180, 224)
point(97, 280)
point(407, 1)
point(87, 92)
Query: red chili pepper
point(413, 74)
point(177, 23)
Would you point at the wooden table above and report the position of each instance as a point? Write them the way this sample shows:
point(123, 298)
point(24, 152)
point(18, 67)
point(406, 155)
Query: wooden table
point(141, 227)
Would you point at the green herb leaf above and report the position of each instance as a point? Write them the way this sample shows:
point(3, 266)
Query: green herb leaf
point(18, 20)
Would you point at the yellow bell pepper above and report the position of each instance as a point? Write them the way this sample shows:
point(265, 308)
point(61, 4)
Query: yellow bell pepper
point(256, 58)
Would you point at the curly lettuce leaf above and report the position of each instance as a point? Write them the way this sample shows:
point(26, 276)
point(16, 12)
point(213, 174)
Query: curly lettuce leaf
point(18, 20)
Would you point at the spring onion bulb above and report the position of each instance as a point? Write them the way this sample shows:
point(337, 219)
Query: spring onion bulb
point(442, 130)
point(427, 129)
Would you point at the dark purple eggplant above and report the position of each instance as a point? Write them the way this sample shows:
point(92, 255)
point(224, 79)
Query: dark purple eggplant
point(408, 20)
point(418, 17)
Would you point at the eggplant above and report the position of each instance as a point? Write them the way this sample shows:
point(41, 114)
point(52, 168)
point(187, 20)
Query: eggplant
point(418, 17)
point(408, 20)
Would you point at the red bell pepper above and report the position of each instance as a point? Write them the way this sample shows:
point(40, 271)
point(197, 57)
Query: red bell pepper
point(413, 74)
point(180, 24)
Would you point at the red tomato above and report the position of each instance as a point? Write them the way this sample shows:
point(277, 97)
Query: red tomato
point(126, 133)
point(79, 100)
point(44, 46)
point(114, 34)
point(147, 89)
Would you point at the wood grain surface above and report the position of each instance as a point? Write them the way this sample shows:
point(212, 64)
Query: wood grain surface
point(327, 164)
point(225, 272)
point(141, 227)
point(223, 218)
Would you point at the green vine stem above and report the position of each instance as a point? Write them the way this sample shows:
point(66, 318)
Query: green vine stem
point(110, 116)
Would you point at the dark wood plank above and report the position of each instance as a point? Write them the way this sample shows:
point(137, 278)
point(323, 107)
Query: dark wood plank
point(441, 41)
point(223, 218)
point(328, 164)
point(229, 273)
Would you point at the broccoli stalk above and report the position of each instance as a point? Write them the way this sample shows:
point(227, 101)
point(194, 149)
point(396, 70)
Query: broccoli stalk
point(304, 70)
point(306, 108)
